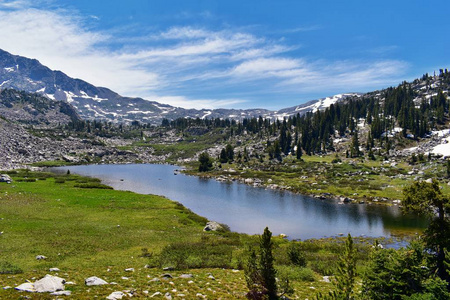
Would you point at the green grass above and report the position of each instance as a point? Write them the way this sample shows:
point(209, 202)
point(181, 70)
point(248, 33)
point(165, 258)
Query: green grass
point(101, 232)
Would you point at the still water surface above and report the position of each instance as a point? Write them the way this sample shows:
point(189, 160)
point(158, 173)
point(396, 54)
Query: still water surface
point(248, 209)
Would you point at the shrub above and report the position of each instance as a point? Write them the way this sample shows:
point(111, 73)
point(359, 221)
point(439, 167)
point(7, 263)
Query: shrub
point(210, 252)
point(296, 256)
point(93, 185)
point(8, 268)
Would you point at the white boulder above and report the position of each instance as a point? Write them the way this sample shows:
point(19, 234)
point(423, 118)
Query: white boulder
point(94, 280)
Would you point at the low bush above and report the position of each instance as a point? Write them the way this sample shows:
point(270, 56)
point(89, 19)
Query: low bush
point(8, 268)
point(296, 273)
point(93, 185)
point(210, 252)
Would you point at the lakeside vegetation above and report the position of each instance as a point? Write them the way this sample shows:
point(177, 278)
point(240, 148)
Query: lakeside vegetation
point(101, 232)
point(86, 230)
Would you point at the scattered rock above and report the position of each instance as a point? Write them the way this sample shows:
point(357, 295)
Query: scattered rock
point(41, 257)
point(212, 226)
point(166, 275)
point(115, 295)
point(156, 294)
point(168, 268)
point(7, 287)
point(94, 281)
point(49, 284)
point(129, 270)
point(211, 277)
point(168, 296)
point(62, 293)
point(186, 276)
point(54, 270)
point(326, 279)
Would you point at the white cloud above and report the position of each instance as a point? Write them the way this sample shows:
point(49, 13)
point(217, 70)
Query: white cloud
point(264, 67)
point(17, 4)
point(60, 42)
point(184, 32)
point(178, 59)
point(181, 101)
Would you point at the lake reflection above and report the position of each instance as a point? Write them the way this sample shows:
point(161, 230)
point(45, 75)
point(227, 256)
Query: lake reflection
point(247, 209)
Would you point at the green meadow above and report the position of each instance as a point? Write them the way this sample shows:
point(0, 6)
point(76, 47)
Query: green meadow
point(87, 229)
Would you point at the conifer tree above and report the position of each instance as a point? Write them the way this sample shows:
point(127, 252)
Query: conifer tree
point(299, 151)
point(354, 150)
point(346, 275)
point(427, 199)
point(268, 271)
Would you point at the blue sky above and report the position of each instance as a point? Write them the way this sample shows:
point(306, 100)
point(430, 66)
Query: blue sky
point(231, 54)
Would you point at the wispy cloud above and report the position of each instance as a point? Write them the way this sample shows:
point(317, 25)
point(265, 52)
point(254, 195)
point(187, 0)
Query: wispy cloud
point(184, 66)
point(16, 4)
point(303, 29)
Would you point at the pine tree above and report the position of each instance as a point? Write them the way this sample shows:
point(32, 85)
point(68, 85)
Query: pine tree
point(260, 275)
point(354, 150)
point(205, 162)
point(299, 151)
point(427, 199)
point(346, 275)
point(268, 271)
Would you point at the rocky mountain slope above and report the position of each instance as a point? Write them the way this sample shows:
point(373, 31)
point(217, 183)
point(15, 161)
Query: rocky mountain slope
point(100, 103)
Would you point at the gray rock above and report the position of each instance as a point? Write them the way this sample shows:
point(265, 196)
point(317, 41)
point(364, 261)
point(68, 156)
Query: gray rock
point(5, 178)
point(129, 270)
point(7, 287)
point(54, 270)
point(62, 293)
point(168, 296)
point(94, 281)
point(185, 276)
point(49, 284)
point(26, 287)
point(156, 294)
point(115, 295)
point(41, 257)
point(212, 226)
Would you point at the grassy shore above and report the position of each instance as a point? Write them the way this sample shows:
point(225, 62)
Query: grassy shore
point(86, 229)
point(358, 179)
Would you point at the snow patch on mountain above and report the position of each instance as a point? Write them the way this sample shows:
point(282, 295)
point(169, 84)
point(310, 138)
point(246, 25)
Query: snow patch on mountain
point(4, 82)
point(442, 149)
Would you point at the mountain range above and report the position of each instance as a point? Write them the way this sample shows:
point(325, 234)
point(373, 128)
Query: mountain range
point(92, 102)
